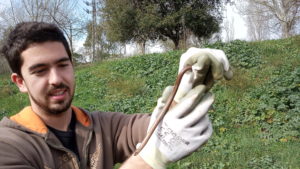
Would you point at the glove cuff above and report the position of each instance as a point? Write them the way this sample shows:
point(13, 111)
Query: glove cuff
point(153, 157)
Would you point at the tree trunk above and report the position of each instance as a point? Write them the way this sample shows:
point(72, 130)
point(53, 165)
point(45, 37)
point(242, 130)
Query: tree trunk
point(71, 39)
point(286, 29)
point(176, 44)
point(142, 46)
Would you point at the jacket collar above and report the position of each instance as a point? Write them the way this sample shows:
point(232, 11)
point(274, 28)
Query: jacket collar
point(29, 119)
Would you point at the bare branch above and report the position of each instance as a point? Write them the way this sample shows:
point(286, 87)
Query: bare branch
point(284, 13)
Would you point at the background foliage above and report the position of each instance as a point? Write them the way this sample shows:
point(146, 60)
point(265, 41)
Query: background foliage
point(256, 115)
point(142, 20)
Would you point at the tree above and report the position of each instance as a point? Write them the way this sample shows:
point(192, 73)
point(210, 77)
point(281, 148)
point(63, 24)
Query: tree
point(121, 23)
point(258, 24)
point(274, 14)
point(228, 25)
point(60, 12)
point(141, 20)
point(103, 47)
point(4, 66)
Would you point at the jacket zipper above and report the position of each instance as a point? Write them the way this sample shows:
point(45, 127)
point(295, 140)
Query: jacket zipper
point(85, 152)
point(73, 156)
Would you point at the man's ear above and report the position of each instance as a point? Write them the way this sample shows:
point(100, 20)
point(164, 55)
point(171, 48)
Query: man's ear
point(18, 80)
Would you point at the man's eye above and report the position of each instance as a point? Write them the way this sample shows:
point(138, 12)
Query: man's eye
point(40, 71)
point(63, 65)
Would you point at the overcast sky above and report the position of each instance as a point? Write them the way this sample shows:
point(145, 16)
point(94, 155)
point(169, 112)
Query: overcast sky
point(240, 29)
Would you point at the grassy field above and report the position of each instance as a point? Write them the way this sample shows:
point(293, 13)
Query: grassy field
point(256, 115)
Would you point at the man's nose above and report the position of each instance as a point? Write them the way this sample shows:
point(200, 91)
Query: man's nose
point(55, 77)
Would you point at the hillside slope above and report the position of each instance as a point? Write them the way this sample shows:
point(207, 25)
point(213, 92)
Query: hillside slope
point(256, 116)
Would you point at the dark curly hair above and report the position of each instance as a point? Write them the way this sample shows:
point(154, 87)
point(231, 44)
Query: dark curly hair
point(27, 33)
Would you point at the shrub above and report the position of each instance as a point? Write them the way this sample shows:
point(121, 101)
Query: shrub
point(240, 53)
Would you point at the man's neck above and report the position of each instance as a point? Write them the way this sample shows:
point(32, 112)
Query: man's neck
point(58, 121)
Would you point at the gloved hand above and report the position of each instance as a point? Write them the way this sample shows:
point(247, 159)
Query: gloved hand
point(208, 65)
point(182, 131)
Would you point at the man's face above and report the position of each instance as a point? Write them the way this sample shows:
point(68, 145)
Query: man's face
point(48, 77)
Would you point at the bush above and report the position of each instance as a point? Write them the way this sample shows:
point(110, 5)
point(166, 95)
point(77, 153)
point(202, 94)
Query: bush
point(278, 108)
point(240, 53)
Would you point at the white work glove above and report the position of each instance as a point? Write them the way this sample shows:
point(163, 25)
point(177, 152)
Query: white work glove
point(207, 64)
point(182, 131)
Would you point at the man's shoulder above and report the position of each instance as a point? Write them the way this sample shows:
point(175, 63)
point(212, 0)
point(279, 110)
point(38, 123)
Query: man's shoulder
point(116, 120)
point(7, 126)
point(13, 139)
point(10, 130)
point(18, 146)
point(107, 116)
point(13, 133)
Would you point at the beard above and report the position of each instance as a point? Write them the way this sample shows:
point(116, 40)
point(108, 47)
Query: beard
point(58, 107)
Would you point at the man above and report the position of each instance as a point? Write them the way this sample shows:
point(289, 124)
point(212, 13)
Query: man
point(52, 133)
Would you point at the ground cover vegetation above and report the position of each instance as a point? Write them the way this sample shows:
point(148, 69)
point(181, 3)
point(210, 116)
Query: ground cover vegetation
point(256, 115)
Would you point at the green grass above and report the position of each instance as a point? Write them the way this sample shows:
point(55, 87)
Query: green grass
point(242, 148)
point(256, 115)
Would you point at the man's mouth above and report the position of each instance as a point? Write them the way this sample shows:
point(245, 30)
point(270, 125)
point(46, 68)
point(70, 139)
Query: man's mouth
point(58, 94)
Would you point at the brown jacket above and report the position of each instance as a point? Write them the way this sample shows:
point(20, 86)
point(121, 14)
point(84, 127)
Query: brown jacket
point(103, 139)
